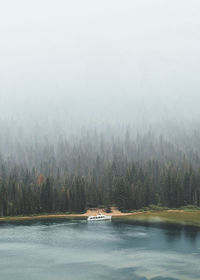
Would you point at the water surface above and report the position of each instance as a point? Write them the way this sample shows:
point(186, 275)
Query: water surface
point(66, 250)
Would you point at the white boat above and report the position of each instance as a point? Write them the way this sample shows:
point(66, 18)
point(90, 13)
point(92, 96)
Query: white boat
point(99, 217)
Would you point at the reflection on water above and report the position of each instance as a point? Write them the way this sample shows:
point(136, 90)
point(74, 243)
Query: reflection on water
point(172, 231)
point(72, 249)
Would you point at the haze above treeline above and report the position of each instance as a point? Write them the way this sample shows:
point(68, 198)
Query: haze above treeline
point(108, 61)
point(110, 67)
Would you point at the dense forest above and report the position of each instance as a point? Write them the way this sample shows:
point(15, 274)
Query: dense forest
point(45, 171)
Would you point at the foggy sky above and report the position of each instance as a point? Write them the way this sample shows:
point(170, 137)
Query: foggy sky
point(110, 60)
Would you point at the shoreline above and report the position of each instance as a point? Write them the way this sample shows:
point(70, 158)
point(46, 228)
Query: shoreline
point(92, 212)
point(171, 216)
point(40, 217)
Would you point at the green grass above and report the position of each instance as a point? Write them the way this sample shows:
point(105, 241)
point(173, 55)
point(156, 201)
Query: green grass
point(190, 208)
point(176, 216)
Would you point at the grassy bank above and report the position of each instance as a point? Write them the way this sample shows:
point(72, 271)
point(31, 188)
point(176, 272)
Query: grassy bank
point(42, 216)
point(183, 217)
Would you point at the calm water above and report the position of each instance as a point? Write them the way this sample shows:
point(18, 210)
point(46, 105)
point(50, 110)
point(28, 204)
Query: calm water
point(78, 250)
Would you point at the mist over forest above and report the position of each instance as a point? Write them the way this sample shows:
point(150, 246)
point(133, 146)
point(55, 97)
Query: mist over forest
point(99, 105)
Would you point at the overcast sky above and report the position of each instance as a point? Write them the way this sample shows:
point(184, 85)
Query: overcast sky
point(100, 59)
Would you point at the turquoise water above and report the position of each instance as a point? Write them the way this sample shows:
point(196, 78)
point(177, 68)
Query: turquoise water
point(66, 250)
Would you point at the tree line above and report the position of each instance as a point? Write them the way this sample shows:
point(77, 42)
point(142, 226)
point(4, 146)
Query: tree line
point(125, 185)
point(130, 172)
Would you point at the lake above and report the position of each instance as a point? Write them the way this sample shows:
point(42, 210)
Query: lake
point(116, 250)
